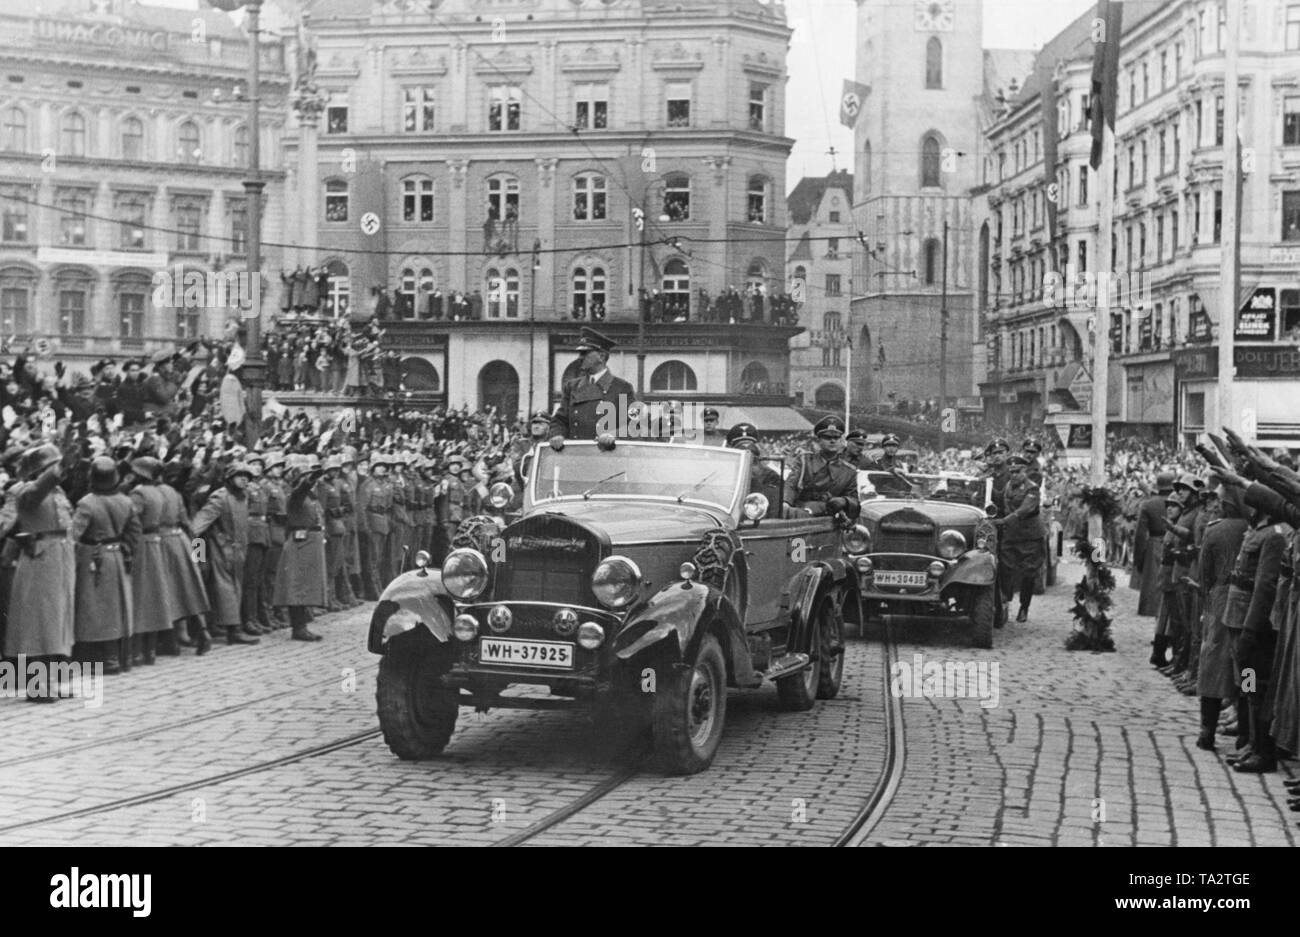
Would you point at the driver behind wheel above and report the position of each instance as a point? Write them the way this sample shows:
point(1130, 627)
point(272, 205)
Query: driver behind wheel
point(822, 483)
point(763, 479)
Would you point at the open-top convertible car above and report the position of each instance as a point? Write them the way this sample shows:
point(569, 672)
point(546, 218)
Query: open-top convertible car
point(933, 550)
point(641, 580)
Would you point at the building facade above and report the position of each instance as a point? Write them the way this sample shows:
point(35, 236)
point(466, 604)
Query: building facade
point(556, 163)
point(916, 140)
point(124, 142)
point(1167, 235)
point(821, 236)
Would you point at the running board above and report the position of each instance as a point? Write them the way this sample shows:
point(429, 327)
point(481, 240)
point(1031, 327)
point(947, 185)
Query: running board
point(784, 666)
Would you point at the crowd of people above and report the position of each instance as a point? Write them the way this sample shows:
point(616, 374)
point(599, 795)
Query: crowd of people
point(329, 356)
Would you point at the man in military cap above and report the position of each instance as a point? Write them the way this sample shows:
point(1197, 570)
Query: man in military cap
point(995, 458)
point(350, 580)
point(763, 479)
point(855, 442)
point(330, 503)
point(713, 434)
point(1148, 547)
point(276, 491)
point(374, 503)
point(821, 482)
point(254, 601)
point(1032, 450)
point(885, 459)
point(593, 394)
point(1020, 535)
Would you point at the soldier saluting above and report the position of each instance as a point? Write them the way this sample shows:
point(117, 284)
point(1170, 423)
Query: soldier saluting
point(822, 482)
point(579, 413)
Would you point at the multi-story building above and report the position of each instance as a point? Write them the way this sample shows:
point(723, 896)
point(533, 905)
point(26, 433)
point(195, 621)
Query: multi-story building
point(558, 162)
point(1166, 245)
point(916, 152)
point(124, 143)
point(821, 236)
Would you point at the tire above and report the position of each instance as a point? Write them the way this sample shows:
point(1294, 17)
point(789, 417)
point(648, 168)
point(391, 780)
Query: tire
point(416, 713)
point(690, 711)
point(798, 692)
point(831, 647)
point(983, 612)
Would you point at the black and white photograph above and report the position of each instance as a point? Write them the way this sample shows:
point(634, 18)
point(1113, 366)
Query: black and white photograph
point(680, 423)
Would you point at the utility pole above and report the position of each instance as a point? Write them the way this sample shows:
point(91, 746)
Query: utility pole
point(1230, 233)
point(532, 322)
point(943, 337)
point(641, 306)
point(254, 368)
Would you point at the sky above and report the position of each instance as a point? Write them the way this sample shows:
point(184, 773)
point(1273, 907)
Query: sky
point(821, 57)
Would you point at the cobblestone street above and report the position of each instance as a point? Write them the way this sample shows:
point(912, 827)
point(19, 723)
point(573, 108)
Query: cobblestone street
point(278, 745)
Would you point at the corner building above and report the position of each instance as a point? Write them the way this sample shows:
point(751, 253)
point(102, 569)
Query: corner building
point(637, 145)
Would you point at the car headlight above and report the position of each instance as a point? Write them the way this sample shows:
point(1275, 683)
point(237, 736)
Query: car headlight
point(755, 507)
point(615, 581)
point(951, 544)
point(465, 573)
point(500, 495)
point(937, 569)
point(858, 540)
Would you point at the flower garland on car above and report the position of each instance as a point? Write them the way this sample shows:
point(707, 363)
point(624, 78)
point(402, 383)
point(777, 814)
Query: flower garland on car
point(1092, 596)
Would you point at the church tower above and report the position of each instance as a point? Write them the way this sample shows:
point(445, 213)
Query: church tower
point(915, 146)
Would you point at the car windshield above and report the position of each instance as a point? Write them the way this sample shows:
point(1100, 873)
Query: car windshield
point(960, 488)
point(638, 470)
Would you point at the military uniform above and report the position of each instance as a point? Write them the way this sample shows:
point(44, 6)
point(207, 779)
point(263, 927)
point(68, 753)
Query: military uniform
point(1148, 547)
point(585, 403)
point(254, 609)
point(224, 519)
point(347, 488)
point(300, 579)
point(106, 528)
point(331, 505)
point(818, 477)
point(276, 491)
point(376, 503)
point(399, 530)
point(1020, 540)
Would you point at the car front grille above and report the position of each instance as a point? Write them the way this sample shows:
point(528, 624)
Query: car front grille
point(547, 559)
point(906, 531)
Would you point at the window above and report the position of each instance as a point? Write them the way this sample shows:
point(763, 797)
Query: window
point(591, 107)
point(241, 146)
point(189, 324)
point(676, 289)
point(72, 306)
point(589, 198)
point(1132, 166)
point(1160, 238)
point(406, 288)
point(832, 248)
point(13, 308)
point(757, 107)
point(756, 200)
point(1218, 215)
point(1178, 61)
point(417, 199)
point(339, 291)
point(934, 63)
point(237, 212)
point(131, 211)
point(1142, 245)
point(678, 94)
point(15, 131)
point(673, 375)
point(1218, 120)
point(1083, 185)
point(73, 135)
point(503, 199)
point(132, 139)
point(1291, 122)
point(1164, 69)
point(834, 217)
point(503, 293)
point(1162, 151)
point(336, 200)
point(1083, 256)
point(1144, 160)
point(589, 293)
point(1173, 232)
point(1291, 216)
point(931, 251)
point(1132, 88)
point(13, 214)
point(677, 197)
point(130, 311)
point(189, 224)
point(1200, 122)
point(1293, 27)
point(503, 107)
point(1178, 147)
point(336, 118)
point(1196, 218)
point(1146, 81)
point(417, 110)
point(187, 139)
point(73, 206)
point(833, 284)
point(930, 163)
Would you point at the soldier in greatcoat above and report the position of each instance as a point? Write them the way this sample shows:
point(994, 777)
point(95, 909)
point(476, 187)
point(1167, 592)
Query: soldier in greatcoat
point(150, 581)
point(1148, 548)
point(399, 525)
point(277, 499)
point(349, 582)
point(223, 520)
point(42, 595)
point(106, 529)
point(1020, 536)
point(375, 503)
point(331, 502)
point(183, 572)
point(300, 580)
point(255, 602)
point(1214, 677)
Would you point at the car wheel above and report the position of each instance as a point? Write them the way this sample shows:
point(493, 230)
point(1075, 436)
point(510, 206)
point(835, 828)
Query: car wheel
point(416, 712)
point(690, 710)
point(798, 692)
point(831, 627)
point(983, 612)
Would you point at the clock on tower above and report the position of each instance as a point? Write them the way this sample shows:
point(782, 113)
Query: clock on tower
point(935, 15)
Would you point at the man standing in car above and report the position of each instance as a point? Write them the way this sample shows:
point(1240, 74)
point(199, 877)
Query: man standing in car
point(593, 394)
point(821, 482)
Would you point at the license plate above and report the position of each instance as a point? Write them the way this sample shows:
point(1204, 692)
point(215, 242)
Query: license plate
point(526, 653)
point(886, 577)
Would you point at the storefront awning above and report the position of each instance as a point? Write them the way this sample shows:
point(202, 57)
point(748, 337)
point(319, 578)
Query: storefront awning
point(767, 419)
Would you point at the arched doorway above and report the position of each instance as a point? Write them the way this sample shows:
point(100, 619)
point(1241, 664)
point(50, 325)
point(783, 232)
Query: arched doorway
point(829, 396)
point(498, 386)
point(421, 375)
point(673, 375)
point(754, 379)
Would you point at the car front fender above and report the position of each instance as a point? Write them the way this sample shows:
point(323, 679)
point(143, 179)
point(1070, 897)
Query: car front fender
point(975, 568)
point(675, 619)
point(419, 592)
point(807, 588)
